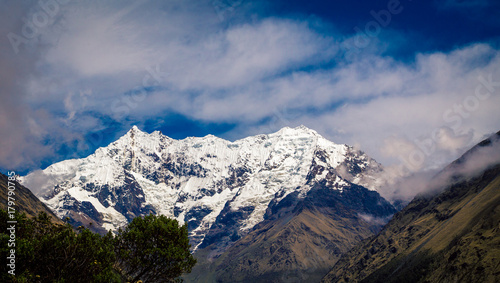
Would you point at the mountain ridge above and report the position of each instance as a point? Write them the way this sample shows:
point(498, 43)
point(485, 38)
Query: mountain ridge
point(450, 234)
point(300, 240)
point(193, 179)
point(24, 200)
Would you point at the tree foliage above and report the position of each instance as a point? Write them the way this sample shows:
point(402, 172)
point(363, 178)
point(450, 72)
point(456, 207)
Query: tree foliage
point(151, 249)
point(154, 249)
point(48, 252)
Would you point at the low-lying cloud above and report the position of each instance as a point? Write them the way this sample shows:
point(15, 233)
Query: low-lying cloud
point(401, 185)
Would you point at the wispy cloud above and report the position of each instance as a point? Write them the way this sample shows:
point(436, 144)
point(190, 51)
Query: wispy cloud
point(130, 62)
point(471, 164)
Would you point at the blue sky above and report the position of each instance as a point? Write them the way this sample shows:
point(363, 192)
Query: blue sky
point(412, 83)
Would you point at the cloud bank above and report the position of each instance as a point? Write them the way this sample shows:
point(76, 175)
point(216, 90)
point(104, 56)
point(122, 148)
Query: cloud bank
point(94, 66)
point(403, 185)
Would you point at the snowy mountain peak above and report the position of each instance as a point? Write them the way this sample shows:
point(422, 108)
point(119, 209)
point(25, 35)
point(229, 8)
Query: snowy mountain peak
point(300, 130)
point(134, 129)
point(198, 180)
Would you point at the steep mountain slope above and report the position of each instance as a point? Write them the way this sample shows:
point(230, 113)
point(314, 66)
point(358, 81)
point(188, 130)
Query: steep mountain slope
point(452, 236)
point(24, 200)
point(300, 238)
point(218, 187)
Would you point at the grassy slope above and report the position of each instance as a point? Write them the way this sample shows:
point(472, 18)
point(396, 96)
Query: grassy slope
point(298, 249)
point(452, 237)
point(303, 249)
point(299, 244)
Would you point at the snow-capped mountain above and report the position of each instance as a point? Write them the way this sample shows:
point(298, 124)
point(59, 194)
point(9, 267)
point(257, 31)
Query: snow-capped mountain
point(198, 180)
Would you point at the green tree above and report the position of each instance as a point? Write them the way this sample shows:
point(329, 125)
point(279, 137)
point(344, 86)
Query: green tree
point(48, 252)
point(153, 249)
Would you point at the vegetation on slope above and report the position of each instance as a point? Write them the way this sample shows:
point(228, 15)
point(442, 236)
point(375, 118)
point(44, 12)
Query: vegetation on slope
point(466, 248)
point(453, 236)
point(150, 249)
point(300, 239)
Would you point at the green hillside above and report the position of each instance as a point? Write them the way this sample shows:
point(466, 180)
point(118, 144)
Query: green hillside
point(453, 236)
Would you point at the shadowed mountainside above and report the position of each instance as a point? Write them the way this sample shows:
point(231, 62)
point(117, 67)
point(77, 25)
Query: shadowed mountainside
point(300, 239)
point(452, 236)
point(25, 201)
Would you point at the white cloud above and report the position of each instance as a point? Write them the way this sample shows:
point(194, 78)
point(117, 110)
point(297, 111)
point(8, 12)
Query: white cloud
point(244, 73)
point(434, 85)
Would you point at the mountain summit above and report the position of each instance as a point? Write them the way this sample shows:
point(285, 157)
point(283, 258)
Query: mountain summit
point(292, 200)
point(196, 179)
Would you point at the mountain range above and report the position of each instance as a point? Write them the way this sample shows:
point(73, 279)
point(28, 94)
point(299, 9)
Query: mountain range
point(291, 200)
point(287, 207)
